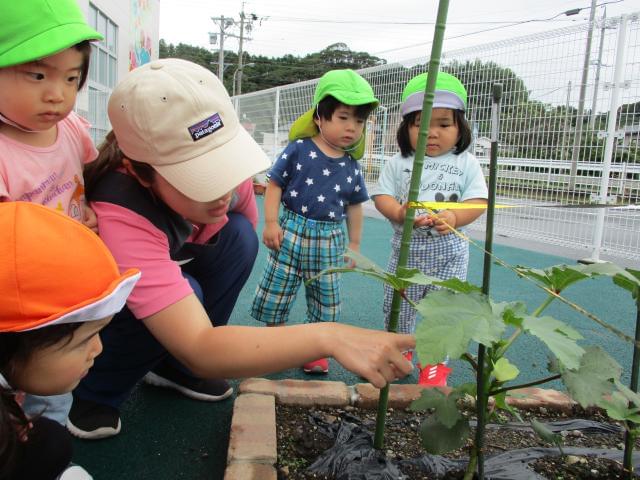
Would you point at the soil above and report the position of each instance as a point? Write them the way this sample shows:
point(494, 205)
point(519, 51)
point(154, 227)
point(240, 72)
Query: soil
point(302, 438)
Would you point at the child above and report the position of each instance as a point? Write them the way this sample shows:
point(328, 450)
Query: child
point(450, 174)
point(319, 182)
point(161, 189)
point(44, 61)
point(54, 301)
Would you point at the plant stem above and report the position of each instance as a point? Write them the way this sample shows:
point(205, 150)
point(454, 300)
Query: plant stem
point(471, 467)
point(544, 305)
point(472, 361)
point(525, 385)
point(416, 175)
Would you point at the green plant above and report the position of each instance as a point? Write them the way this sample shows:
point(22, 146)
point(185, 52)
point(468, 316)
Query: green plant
point(459, 314)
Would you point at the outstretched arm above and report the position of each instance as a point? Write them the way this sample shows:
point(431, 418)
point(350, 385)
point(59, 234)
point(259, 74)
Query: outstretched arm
point(237, 351)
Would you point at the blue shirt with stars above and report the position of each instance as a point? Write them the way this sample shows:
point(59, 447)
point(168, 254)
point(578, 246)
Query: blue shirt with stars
point(317, 186)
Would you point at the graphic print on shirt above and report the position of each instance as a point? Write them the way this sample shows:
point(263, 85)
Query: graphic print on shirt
point(441, 181)
point(317, 186)
point(77, 200)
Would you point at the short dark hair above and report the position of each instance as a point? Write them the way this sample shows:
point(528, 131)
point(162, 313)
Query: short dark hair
point(328, 105)
point(409, 119)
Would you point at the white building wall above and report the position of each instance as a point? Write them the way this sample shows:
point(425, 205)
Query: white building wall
point(136, 24)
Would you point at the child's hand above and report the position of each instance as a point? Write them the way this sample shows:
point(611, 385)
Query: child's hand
point(272, 235)
point(372, 354)
point(444, 221)
point(89, 218)
point(423, 221)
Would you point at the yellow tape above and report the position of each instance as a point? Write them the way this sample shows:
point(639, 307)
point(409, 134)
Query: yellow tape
point(454, 205)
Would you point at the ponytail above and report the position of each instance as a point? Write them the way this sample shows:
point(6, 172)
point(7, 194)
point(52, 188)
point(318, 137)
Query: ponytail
point(110, 158)
point(15, 350)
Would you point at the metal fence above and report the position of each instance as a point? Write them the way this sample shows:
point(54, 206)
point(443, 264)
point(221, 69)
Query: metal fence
point(570, 128)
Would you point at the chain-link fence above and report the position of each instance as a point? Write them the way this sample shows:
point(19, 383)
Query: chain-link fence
point(569, 121)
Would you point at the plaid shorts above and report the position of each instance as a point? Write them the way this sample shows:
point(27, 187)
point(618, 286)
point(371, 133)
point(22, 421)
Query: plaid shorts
point(443, 257)
point(309, 246)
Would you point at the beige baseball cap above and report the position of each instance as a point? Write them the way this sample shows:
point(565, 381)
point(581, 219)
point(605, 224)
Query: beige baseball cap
point(177, 116)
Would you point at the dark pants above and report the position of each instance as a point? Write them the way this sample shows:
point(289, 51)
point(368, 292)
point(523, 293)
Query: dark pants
point(217, 274)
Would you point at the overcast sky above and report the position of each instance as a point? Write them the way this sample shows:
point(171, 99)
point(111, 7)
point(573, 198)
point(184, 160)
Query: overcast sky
point(395, 30)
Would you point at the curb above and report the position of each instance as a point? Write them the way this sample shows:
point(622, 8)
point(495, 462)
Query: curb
point(252, 453)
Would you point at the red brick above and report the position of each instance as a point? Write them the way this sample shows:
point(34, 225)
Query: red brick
point(250, 471)
point(400, 396)
point(299, 392)
point(253, 430)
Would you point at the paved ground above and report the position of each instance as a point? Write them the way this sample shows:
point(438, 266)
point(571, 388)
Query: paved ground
point(166, 436)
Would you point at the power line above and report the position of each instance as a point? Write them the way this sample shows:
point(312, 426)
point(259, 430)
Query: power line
point(573, 11)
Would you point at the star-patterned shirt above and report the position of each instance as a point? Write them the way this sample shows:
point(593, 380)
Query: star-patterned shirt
point(317, 186)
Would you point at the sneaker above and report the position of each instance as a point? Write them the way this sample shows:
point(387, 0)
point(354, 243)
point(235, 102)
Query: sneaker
point(211, 390)
point(91, 421)
point(434, 375)
point(318, 366)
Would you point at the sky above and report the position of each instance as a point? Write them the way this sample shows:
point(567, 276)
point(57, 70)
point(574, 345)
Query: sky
point(397, 30)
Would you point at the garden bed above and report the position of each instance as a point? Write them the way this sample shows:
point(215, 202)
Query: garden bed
point(255, 451)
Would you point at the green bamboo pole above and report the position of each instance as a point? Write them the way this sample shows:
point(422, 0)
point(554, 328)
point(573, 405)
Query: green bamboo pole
point(629, 439)
point(486, 277)
point(427, 105)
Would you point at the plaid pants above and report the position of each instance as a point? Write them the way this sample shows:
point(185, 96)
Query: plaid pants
point(443, 257)
point(309, 246)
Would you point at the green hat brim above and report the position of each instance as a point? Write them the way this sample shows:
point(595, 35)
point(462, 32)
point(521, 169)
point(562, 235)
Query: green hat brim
point(48, 43)
point(305, 127)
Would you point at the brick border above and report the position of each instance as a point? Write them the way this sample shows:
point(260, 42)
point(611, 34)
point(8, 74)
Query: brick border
point(252, 453)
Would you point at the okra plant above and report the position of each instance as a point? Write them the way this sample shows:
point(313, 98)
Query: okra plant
point(459, 314)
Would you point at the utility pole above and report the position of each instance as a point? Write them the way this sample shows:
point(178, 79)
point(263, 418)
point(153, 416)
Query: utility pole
point(583, 87)
point(249, 25)
point(223, 22)
point(592, 118)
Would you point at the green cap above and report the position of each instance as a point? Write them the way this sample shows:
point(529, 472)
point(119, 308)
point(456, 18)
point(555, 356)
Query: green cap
point(34, 29)
point(449, 93)
point(347, 87)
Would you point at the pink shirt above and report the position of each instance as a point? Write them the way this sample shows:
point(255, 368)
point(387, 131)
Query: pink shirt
point(136, 243)
point(52, 175)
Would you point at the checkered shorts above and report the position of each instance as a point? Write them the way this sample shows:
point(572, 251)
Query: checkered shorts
point(309, 246)
point(443, 257)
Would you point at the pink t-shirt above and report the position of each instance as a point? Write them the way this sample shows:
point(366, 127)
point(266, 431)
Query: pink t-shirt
point(136, 243)
point(52, 175)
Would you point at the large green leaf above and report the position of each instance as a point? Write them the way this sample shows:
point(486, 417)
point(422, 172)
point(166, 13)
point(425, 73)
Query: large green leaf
point(458, 285)
point(558, 336)
point(559, 277)
point(629, 394)
point(445, 407)
point(617, 407)
point(629, 280)
point(593, 379)
point(450, 321)
point(438, 439)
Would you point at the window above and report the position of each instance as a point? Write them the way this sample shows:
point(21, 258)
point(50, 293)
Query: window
point(103, 71)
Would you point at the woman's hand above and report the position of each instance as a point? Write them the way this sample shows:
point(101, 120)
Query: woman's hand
point(372, 354)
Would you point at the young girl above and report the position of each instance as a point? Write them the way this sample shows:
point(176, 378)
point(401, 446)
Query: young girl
point(44, 60)
point(450, 174)
point(317, 179)
point(161, 189)
point(54, 301)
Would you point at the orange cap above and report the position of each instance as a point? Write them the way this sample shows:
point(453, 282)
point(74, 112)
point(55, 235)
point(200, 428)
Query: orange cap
point(55, 270)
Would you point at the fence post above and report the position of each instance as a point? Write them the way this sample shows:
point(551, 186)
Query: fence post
point(276, 124)
point(612, 120)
